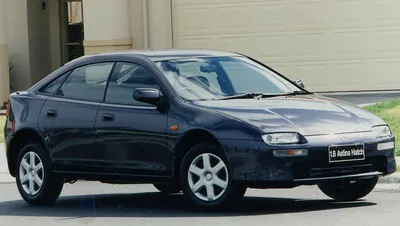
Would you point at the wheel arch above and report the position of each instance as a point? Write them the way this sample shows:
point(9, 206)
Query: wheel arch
point(189, 140)
point(18, 140)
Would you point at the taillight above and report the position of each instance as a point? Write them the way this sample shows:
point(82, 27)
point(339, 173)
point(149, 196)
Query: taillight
point(10, 116)
point(13, 125)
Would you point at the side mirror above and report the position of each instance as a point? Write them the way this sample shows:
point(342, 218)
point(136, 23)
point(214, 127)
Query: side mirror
point(147, 95)
point(300, 83)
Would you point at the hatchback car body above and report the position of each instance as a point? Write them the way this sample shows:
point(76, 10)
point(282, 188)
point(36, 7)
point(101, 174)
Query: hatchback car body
point(208, 123)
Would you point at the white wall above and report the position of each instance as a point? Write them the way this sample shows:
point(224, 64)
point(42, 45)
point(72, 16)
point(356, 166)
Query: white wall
point(18, 44)
point(39, 40)
point(107, 26)
point(55, 44)
point(106, 20)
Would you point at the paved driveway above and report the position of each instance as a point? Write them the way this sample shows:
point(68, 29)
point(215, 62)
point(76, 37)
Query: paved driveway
point(101, 204)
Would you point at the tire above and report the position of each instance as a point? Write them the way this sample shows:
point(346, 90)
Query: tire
point(347, 191)
point(167, 188)
point(193, 171)
point(51, 185)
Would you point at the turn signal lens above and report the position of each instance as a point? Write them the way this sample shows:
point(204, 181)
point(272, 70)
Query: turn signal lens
point(291, 153)
point(385, 146)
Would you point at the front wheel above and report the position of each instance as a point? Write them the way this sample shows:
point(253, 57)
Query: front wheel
point(206, 179)
point(36, 182)
point(349, 190)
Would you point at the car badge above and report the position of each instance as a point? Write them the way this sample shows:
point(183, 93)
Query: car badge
point(341, 137)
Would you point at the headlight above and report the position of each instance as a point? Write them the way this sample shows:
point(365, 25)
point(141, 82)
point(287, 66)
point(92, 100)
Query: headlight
point(381, 131)
point(281, 138)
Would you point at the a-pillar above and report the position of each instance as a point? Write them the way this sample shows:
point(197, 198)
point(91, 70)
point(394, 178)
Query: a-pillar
point(4, 66)
point(106, 26)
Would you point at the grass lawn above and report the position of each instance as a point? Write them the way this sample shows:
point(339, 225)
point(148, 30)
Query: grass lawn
point(2, 122)
point(390, 112)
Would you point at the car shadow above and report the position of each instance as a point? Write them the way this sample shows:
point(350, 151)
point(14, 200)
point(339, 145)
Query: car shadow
point(159, 205)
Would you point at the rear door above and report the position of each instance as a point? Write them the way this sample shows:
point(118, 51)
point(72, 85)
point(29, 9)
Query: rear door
point(67, 118)
point(131, 135)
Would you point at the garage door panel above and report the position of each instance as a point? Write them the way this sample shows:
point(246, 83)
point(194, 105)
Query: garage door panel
point(210, 2)
point(186, 20)
point(386, 12)
point(270, 47)
point(349, 44)
point(332, 45)
point(228, 18)
point(390, 36)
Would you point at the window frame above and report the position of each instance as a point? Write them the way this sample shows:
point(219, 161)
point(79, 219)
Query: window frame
point(80, 66)
point(165, 89)
point(132, 105)
point(66, 74)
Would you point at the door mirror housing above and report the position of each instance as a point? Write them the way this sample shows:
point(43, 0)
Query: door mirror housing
point(147, 95)
point(300, 83)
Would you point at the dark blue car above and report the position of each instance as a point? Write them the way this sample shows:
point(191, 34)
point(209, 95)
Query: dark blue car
point(207, 123)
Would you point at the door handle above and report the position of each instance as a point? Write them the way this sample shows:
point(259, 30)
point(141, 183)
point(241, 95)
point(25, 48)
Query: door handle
point(51, 113)
point(107, 117)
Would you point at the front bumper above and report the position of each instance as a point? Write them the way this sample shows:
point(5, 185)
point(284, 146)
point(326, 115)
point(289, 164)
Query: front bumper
point(253, 162)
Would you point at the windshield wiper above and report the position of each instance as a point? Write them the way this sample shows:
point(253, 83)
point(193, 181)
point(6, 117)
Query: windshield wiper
point(247, 96)
point(298, 92)
point(262, 95)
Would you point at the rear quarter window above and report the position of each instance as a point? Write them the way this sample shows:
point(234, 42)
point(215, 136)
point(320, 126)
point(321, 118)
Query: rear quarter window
point(53, 86)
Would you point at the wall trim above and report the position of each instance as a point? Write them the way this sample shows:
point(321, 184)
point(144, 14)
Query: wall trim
point(115, 42)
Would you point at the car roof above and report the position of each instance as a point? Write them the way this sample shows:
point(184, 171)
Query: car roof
point(165, 54)
point(150, 54)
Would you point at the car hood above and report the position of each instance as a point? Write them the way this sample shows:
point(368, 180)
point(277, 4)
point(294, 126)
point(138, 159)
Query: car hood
point(307, 114)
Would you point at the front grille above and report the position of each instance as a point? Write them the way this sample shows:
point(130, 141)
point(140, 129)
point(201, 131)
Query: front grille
point(319, 169)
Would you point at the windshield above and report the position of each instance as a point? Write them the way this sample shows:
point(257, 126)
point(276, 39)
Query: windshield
point(219, 77)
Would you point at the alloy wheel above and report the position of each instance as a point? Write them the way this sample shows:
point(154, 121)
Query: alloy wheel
point(208, 177)
point(31, 173)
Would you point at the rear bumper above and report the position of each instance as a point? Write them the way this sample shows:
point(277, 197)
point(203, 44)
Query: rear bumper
point(253, 163)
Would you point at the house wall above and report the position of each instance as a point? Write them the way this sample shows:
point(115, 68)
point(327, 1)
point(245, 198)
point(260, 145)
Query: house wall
point(106, 25)
point(4, 75)
point(18, 44)
point(54, 34)
point(39, 41)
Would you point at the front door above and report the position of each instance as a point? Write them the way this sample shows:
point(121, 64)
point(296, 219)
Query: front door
point(131, 135)
point(67, 118)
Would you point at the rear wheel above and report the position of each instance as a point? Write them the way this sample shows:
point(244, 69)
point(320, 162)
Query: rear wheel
point(349, 190)
point(167, 188)
point(34, 176)
point(206, 179)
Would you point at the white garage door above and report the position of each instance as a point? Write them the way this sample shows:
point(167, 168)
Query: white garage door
point(332, 45)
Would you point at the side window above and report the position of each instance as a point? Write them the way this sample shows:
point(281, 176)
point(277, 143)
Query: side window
point(125, 79)
point(53, 86)
point(87, 82)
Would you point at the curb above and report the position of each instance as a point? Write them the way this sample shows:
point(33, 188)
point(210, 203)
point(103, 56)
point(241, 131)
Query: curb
point(391, 179)
point(365, 105)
